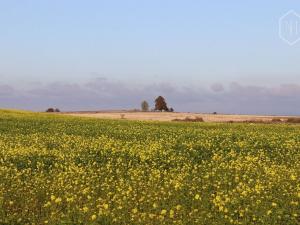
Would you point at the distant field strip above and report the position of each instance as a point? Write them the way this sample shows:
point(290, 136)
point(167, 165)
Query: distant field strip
point(72, 170)
point(169, 116)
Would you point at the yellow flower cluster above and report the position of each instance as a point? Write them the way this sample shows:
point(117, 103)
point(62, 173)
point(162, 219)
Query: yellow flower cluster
point(67, 170)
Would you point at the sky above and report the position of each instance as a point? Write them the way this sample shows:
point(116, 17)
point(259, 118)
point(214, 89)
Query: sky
point(202, 56)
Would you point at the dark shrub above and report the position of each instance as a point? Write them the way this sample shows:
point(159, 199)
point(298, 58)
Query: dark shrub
point(198, 119)
point(50, 110)
point(293, 120)
point(189, 119)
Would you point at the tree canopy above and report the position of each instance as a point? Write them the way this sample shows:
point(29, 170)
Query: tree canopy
point(160, 104)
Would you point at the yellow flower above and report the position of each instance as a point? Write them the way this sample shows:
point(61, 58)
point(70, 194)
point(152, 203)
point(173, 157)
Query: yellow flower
point(70, 199)
point(197, 196)
point(58, 200)
point(47, 204)
point(178, 207)
point(134, 210)
point(269, 212)
point(171, 213)
point(52, 197)
point(163, 212)
point(293, 177)
point(294, 203)
point(85, 209)
point(105, 206)
point(151, 215)
point(93, 217)
point(274, 204)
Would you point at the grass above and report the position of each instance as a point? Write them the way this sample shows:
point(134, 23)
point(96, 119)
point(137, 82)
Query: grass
point(69, 170)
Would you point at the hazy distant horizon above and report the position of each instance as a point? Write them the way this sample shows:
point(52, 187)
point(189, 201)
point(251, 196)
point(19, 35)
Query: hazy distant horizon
point(105, 94)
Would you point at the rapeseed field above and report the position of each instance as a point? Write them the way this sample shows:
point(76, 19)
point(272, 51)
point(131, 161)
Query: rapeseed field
point(67, 170)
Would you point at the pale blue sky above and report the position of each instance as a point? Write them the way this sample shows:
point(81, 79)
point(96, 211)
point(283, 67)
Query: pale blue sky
point(195, 43)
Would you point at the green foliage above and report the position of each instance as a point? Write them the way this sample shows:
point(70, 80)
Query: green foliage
point(67, 170)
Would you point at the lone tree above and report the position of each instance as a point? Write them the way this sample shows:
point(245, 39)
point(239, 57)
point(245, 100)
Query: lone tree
point(160, 104)
point(145, 106)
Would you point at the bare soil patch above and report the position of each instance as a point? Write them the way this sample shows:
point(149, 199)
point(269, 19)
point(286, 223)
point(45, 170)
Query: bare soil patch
point(177, 116)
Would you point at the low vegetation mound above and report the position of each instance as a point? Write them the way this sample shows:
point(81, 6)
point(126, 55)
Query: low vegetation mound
point(293, 120)
point(189, 119)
